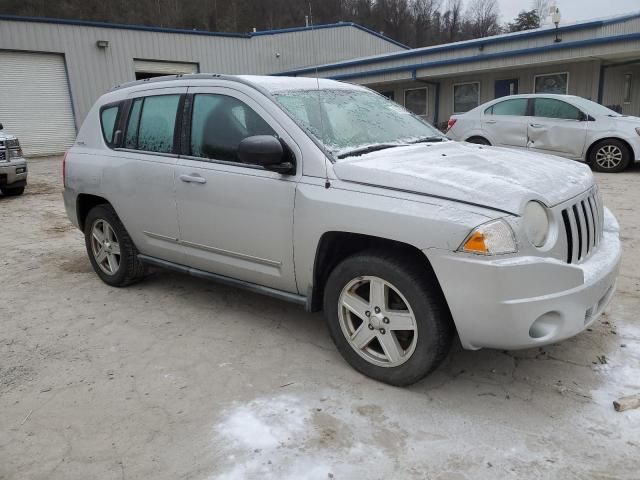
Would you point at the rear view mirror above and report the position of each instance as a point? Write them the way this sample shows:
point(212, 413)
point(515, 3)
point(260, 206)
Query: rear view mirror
point(264, 150)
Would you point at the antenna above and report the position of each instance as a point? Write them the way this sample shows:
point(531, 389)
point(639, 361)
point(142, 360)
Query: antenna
point(327, 184)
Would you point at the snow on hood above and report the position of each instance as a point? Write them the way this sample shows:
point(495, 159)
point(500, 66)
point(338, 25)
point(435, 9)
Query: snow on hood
point(498, 178)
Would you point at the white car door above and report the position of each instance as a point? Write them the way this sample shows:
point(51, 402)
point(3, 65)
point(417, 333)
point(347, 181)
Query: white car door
point(505, 123)
point(557, 127)
point(139, 178)
point(235, 219)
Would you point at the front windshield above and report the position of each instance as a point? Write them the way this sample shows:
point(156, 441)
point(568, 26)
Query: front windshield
point(594, 108)
point(352, 120)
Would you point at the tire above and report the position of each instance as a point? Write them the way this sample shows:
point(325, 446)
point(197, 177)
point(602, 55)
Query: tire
point(478, 141)
point(12, 192)
point(117, 270)
point(411, 297)
point(609, 156)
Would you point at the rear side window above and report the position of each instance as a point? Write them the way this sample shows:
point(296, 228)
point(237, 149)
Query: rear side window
point(219, 123)
point(516, 106)
point(108, 118)
point(152, 123)
point(552, 108)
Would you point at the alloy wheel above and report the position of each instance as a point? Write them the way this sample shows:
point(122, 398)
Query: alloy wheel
point(377, 321)
point(608, 156)
point(105, 247)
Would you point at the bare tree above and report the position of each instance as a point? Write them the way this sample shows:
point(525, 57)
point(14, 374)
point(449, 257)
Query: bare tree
point(542, 8)
point(482, 18)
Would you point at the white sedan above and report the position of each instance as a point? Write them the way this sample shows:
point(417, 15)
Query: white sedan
point(563, 125)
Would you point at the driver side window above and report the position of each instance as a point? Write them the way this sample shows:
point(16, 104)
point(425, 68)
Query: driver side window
point(219, 123)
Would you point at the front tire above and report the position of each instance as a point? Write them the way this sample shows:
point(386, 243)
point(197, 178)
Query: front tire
point(111, 251)
point(387, 317)
point(610, 156)
point(12, 192)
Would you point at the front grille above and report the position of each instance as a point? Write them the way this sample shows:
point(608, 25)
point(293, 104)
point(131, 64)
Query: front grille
point(583, 226)
point(3, 155)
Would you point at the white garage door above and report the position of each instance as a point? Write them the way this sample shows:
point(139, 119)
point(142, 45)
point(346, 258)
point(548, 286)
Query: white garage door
point(35, 104)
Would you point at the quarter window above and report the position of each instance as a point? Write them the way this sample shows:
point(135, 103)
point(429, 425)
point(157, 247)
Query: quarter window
point(517, 107)
point(552, 108)
point(152, 123)
point(219, 123)
point(108, 117)
point(466, 96)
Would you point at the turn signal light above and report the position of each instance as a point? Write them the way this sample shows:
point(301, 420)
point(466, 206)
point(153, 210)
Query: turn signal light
point(476, 244)
point(452, 121)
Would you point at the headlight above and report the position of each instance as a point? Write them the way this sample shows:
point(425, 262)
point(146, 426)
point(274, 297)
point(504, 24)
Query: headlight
point(491, 238)
point(536, 223)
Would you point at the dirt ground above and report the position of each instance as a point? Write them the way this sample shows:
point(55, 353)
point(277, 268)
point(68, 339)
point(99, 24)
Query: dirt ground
point(176, 377)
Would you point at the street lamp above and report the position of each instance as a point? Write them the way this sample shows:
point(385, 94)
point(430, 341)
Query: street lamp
point(555, 18)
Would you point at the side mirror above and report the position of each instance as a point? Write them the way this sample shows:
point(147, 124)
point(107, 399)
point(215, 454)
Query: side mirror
point(1, 127)
point(264, 150)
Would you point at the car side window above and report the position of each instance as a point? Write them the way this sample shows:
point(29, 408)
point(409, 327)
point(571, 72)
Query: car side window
point(219, 123)
point(553, 108)
point(516, 107)
point(152, 122)
point(108, 118)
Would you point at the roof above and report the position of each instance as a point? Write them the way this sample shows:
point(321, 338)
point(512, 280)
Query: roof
point(478, 42)
point(144, 28)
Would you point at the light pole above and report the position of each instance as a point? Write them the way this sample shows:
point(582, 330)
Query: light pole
point(555, 18)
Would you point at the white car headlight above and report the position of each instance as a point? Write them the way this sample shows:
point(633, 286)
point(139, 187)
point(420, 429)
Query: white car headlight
point(536, 223)
point(492, 238)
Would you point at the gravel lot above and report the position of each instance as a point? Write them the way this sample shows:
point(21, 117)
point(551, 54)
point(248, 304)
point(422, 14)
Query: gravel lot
point(176, 377)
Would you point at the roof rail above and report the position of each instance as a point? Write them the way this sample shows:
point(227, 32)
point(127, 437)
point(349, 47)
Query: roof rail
point(167, 78)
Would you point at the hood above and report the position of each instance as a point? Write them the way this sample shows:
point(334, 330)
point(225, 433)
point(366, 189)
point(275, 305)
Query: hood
point(498, 178)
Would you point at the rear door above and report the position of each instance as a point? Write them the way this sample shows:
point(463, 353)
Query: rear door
point(505, 123)
point(557, 127)
point(235, 219)
point(140, 176)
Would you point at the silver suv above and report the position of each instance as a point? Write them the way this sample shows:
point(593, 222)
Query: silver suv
point(331, 196)
point(13, 167)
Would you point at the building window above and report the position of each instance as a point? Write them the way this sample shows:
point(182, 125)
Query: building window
point(466, 96)
point(415, 100)
point(552, 83)
point(390, 94)
point(627, 87)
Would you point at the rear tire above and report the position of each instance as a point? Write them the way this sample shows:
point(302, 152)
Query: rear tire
point(609, 156)
point(478, 141)
point(12, 192)
point(111, 251)
point(398, 336)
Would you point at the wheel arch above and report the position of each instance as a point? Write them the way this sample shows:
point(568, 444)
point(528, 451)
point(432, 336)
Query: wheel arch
point(334, 246)
point(479, 137)
point(84, 203)
point(587, 156)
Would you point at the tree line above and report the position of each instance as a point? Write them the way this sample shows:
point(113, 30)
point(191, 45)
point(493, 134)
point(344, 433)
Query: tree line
point(416, 23)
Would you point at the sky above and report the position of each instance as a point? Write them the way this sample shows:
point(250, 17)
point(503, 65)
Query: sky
point(573, 10)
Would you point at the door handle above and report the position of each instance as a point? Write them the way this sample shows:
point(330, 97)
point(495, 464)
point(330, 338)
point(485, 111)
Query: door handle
point(537, 125)
point(193, 179)
point(491, 121)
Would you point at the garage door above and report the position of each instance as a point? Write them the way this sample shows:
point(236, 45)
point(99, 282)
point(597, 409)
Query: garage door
point(154, 68)
point(35, 104)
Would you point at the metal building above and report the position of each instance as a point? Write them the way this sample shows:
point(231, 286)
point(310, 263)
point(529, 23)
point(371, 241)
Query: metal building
point(598, 60)
point(54, 70)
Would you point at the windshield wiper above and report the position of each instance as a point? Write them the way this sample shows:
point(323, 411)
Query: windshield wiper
point(371, 148)
point(434, 138)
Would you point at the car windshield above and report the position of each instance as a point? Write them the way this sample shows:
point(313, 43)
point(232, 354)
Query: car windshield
point(353, 122)
point(594, 108)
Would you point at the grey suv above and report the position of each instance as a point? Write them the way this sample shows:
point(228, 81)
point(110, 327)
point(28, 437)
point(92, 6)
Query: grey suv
point(13, 167)
point(331, 196)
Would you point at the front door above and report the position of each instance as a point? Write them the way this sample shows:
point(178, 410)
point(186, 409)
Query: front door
point(557, 127)
point(235, 219)
point(504, 88)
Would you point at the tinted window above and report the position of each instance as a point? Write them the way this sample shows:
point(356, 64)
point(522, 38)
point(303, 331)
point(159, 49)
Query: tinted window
point(108, 118)
point(552, 108)
point(131, 139)
point(517, 106)
point(152, 122)
point(219, 123)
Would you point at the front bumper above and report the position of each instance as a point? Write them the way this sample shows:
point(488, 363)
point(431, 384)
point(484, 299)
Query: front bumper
point(13, 173)
point(521, 302)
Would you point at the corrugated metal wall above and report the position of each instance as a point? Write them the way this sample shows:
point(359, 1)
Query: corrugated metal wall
point(92, 70)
